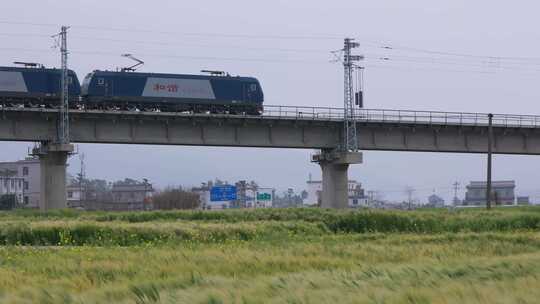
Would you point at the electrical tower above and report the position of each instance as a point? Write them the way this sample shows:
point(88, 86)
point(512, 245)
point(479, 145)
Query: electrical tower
point(456, 188)
point(350, 141)
point(63, 123)
point(82, 179)
point(409, 190)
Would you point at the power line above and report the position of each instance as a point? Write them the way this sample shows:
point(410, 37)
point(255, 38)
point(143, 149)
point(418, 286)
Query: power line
point(146, 42)
point(453, 54)
point(24, 35)
point(28, 23)
point(380, 64)
point(201, 57)
point(365, 43)
point(100, 53)
point(199, 34)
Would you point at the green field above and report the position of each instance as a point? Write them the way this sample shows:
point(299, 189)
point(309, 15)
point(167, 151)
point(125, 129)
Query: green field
point(271, 256)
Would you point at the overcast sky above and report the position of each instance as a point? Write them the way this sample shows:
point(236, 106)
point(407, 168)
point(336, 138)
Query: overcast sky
point(286, 45)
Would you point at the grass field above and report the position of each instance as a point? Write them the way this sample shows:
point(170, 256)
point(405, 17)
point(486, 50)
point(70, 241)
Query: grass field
point(271, 256)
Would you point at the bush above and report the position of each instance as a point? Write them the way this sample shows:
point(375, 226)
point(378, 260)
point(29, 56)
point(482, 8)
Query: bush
point(176, 198)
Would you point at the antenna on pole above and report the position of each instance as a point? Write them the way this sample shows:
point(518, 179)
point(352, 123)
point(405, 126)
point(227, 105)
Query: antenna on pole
point(133, 67)
point(63, 128)
point(350, 141)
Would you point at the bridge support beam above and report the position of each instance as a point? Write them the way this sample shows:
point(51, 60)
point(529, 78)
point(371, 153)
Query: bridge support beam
point(53, 163)
point(335, 181)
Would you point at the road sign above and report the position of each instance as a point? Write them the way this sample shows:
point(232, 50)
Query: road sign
point(223, 193)
point(264, 196)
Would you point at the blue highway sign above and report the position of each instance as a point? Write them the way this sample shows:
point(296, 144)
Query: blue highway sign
point(223, 193)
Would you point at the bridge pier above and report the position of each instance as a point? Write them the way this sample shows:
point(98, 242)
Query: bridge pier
point(53, 163)
point(335, 181)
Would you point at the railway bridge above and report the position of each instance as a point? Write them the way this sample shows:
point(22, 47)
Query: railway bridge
point(316, 128)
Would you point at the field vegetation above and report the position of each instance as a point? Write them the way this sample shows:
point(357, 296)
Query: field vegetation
point(271, 256)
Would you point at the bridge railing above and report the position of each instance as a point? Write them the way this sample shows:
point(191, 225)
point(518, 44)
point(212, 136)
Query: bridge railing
point(454, 118)
point(362, 115)
point(403, 116)
point(303, 112)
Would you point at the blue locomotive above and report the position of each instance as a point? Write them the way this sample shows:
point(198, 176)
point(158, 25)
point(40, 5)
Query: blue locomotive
point(172, 92)
point(33, 87)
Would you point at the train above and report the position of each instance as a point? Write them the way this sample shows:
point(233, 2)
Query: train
point(34, 86)
point(132, 91)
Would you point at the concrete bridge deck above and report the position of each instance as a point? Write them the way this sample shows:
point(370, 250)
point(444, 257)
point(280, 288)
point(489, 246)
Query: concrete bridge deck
point(284, 127)
point(277, 127)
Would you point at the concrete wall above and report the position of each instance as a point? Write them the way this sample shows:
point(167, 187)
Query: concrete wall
point(314, 190)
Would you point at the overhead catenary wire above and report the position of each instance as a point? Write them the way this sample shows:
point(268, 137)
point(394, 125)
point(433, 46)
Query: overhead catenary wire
point(453, 54)
point(247, 59)
point(479, 59)
point(373, 60)
point(320, 36)
point(200, 34)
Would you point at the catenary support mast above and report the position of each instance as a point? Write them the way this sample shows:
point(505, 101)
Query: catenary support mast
point(335, 162)
point(53, 153)
point(63, 130)
point(350, 141)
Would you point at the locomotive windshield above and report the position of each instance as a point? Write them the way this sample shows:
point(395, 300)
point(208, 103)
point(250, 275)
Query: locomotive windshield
point(86, 84)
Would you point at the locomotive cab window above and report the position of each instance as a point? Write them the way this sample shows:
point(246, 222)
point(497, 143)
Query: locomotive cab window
point(70, 80)
point(253, 87)
point(101, 81)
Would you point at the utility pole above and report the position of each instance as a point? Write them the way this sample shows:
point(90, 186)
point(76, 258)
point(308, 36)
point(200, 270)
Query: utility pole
point(409, 190)
point(350, 141)
point(456, 188)
point(370, 196)
point(53, 154)
point(63, 129)
point(82, 183)
point(489, 156)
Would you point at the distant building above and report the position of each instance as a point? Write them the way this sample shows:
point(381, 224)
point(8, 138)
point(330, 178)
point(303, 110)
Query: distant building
point(75, 196)
point(357, 197)
point(435, 201)
point(29, 170)
point(502, 193)
point(131, 196)
point(289, 199)
point(523, 200)
point(12, 186)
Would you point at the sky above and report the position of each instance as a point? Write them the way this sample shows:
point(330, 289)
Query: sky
point(467, 56)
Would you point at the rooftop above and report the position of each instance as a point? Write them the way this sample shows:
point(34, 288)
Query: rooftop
point(477, 184)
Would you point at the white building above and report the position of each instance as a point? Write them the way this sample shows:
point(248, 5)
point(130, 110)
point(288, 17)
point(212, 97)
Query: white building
point(30, 172)
point(12, 186)
point(356, 193)
point(502, 193)
point(74, 196)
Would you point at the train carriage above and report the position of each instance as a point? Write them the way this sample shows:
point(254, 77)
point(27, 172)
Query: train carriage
point(35, 86)
point(172, 92)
